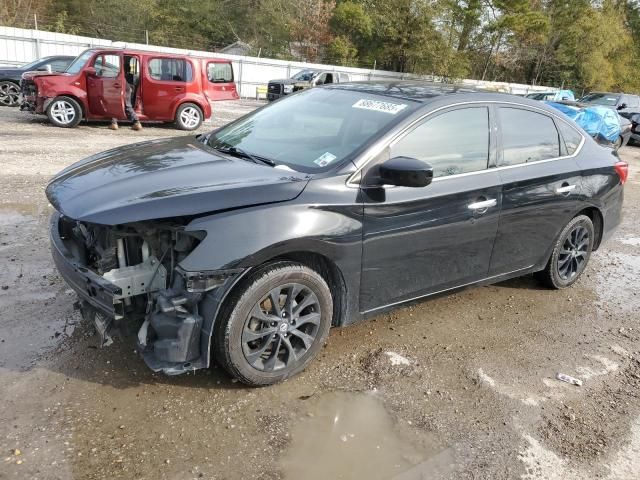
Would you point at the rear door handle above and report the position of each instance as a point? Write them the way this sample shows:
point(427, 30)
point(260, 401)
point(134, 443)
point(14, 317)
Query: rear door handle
point(117, 85)
point(565, 189)
point(483, 205)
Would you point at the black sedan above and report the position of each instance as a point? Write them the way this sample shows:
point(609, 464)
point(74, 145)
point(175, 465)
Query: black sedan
point(330, 206)
point(10, 77)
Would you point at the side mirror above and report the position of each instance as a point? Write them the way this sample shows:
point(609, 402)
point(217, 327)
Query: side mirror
point(90, 71)
point(622, 106)
point(406, 172)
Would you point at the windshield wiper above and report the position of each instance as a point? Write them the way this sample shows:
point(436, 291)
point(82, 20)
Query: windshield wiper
point(238, 152)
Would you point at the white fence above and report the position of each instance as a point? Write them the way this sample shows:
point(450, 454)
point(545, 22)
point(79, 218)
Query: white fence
point(18, 46)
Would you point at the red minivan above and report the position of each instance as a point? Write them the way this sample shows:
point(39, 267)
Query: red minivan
point(164, 87)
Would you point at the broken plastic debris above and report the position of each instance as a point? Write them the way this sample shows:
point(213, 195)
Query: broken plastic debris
point(397, 359)
point(566, 378)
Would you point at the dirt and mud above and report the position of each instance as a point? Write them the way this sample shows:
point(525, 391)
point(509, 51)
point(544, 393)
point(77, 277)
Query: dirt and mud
point(461, 386)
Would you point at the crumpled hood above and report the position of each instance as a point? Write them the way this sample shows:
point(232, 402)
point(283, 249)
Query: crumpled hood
point(166, 178)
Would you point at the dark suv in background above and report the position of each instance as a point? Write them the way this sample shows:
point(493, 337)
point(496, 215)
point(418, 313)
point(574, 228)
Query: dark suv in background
point(302, 80)
point(622, 102)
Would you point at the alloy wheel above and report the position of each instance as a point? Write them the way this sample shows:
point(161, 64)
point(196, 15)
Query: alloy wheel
point(63, 112)
point(190, 117)
point(281, 328)
point(9, 94)
point(573, 254)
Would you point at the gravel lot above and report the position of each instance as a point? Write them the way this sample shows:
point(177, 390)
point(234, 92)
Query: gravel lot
point(456, 387)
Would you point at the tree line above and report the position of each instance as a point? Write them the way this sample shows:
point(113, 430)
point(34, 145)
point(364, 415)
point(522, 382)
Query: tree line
point(578, 44)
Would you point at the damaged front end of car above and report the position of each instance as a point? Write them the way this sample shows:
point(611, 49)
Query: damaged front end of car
point(130, 284)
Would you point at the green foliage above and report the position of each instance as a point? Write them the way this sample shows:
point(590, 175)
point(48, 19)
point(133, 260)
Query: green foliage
point(579, 44)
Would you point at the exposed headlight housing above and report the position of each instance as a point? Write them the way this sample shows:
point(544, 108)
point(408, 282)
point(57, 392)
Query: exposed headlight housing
point(200, 282)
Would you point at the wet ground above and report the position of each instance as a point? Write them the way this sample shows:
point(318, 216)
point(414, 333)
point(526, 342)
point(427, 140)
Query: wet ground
point(457, 387)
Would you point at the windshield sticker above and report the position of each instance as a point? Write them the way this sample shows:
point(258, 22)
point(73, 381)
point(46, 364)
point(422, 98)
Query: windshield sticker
point(378, 106)
point(325, 159)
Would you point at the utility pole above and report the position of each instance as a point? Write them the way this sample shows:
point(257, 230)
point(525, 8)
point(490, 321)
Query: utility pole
point(35, 21)
point(146, 36)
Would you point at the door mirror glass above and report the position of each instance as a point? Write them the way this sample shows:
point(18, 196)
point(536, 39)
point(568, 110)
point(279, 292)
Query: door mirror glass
point(406, 172)
point(90, 71)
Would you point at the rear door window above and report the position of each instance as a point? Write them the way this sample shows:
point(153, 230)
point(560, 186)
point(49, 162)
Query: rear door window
point(219, 72)
point(452, 143)
point(170, 69)
point(527, 136)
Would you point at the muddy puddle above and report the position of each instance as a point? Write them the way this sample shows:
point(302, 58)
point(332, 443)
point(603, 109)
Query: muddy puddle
point(35, 306)
point(347, 435)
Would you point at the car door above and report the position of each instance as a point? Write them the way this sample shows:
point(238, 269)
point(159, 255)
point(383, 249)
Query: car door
point(105, 88)
point(165, 85)
point(541, 183)
point(418, 241)
point(219, 81)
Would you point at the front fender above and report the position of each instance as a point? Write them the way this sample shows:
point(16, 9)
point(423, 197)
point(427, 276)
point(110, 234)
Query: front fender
point(249, 237)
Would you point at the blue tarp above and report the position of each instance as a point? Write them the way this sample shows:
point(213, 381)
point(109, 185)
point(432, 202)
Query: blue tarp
point(597, 121)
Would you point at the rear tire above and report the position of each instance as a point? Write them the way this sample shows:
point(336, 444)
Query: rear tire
point(189, 117)
point(273, 324)
point(618, 144)
point(64, 112)
point(570, 254)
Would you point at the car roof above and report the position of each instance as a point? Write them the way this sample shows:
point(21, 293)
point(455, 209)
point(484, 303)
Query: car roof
point(155, 54)
point(58, 56)
point(427, 92)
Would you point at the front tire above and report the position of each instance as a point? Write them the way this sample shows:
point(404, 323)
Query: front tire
point(64, 112)
point(189, 117)
point(9, 94)
point(570, 254)
point(273, 324)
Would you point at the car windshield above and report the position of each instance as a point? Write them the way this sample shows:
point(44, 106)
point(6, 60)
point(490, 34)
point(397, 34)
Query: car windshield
point(304, 75)
point(79, 62)
point(31, 65)
point(313, 130)
point(607, 99)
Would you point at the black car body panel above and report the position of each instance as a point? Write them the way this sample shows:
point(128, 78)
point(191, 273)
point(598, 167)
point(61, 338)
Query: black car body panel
point(165, 178)
point(379, 246)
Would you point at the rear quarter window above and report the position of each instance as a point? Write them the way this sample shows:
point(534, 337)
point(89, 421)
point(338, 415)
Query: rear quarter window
point(219, 72)
point(171, 70)
point(570, 136)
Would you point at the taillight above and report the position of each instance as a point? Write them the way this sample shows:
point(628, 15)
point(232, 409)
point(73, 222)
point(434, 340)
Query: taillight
point(622, 169)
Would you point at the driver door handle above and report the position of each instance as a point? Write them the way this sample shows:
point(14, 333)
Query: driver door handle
point(483, 204)
point(565, 189)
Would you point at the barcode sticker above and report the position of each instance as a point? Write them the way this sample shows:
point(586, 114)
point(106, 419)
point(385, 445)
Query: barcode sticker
point(325, 159)
point(378, 106)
